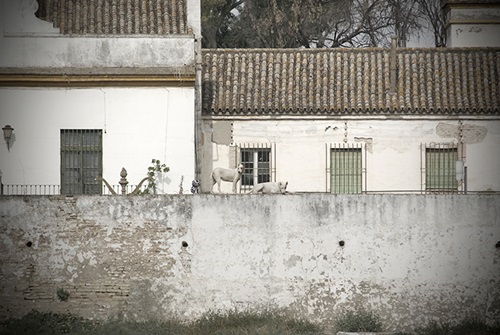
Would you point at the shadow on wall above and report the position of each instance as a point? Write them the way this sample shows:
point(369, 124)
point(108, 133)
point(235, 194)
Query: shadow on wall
point(218, 133)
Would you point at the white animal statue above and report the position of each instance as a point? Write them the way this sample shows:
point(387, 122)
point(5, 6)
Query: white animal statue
point(229, 175)
point(270, 188)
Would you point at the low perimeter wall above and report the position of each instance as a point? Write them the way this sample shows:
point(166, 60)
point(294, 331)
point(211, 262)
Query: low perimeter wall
point(410, 258)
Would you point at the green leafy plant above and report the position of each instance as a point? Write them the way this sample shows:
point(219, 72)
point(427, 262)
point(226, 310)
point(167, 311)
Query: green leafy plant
point(358, 321)
point(156, 167)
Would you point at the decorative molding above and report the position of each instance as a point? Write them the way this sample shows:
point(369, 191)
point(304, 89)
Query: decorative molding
point(94, 80)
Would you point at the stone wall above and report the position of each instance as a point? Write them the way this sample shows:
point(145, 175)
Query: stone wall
point(411, 258)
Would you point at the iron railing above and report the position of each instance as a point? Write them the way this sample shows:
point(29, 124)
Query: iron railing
point(259, 160)
point(52, 189)
point(55, 190)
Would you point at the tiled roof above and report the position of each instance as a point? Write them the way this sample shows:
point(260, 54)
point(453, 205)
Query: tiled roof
point(153, 17)
point(284, 82)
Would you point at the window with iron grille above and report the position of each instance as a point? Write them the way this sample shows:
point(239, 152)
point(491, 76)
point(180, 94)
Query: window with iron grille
point(346, 169)
point(440, 168)
point(258, 161)
point(81, 161)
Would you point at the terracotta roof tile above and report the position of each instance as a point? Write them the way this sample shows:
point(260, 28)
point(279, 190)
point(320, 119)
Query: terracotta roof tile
point(276, 82)
point(117, 17)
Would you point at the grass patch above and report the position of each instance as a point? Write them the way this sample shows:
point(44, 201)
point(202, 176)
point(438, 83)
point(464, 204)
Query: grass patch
point(470, 326)
point(45, 323)
point(359, 320)
point(231, 323)
point(235, 323)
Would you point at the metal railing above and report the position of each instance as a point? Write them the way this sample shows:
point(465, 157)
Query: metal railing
point(51, 189)
point(56, 190)
point(31, 190)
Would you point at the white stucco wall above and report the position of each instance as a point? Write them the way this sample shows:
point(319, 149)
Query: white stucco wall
point(27, 41)
point(412, 259)
point(473, 27)
point(86, 52)
point(138, 124)
point(474, 35)
point(393, 150)
point(17, 18)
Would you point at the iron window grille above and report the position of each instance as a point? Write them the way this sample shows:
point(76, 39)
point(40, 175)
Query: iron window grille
point(81, 161)
point(258, 160)
point(440, 167)
point(346, 172)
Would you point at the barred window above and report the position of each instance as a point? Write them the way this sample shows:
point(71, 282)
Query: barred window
point(81, 161)
point(257, 159)
point(346, 168)
point(440, 167)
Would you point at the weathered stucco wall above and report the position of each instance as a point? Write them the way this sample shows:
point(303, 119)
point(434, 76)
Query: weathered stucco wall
point(473, 26)
point(412, 258)
point(28, 42)
point(393, 156)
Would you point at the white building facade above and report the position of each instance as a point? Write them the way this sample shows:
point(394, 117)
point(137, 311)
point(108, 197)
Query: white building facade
point(96, 87)
point(361, 120)
point(472, 23)
point(355, 121)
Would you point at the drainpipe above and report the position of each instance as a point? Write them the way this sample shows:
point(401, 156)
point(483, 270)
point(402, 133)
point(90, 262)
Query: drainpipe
point(393, 64)
point(194, 24)
point(197, 108)
point(461, 150)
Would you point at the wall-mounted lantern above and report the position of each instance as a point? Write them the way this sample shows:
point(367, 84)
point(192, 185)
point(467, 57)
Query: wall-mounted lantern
point(7, 134)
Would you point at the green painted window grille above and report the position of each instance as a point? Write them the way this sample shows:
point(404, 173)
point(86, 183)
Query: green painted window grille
point(257, 160)
point(346, 169)
point(440, 167)
point(81, 161)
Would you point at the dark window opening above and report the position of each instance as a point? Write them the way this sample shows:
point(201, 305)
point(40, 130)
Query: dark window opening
point(81, 161)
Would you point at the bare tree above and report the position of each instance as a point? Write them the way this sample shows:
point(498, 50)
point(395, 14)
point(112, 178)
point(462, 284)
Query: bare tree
point(432, 12)
point(217, 16)
point(406, 19)
point(312, 23)
point(283, 23)
point(363, 23)
point(308, 23)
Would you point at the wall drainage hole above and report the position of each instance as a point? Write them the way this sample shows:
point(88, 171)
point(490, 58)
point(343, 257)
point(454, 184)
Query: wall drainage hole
point(185, 244)
point(341, 243)
point(29, 244)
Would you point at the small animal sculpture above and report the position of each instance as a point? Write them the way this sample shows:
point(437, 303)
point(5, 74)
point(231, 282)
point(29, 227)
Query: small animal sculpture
point(229, 175)
point(270, 188)
point(195, 188)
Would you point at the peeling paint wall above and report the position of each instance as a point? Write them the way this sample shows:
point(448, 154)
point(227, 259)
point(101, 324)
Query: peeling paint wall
point(393, 149)
point(411, 258)
point(473, 25)
point(28, 42)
